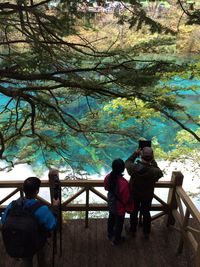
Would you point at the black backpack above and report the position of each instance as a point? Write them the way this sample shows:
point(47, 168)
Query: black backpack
point(21, 232)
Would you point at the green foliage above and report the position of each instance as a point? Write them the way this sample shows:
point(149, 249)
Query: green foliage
point(186, 147)
point(75, 88)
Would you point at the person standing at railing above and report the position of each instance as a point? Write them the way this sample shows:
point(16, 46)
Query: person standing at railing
point(26, 224)
point(118, 201)
point(144, 174)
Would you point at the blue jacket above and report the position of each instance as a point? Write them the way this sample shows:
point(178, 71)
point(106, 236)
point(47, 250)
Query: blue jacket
point(43, 214)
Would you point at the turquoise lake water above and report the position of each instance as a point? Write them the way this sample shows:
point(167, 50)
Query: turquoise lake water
point(165, 132)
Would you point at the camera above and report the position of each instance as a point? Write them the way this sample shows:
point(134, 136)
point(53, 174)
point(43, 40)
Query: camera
point(144, 143)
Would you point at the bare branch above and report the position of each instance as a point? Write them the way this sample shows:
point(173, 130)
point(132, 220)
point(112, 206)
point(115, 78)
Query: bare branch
point(181, 124)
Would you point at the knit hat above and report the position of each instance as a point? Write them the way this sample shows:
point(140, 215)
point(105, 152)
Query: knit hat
point(147, 153)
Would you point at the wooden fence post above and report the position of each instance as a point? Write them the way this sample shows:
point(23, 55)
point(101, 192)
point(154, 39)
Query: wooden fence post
point(185, 223)
point(177, 179)
point(197, 258)
point(87, 208)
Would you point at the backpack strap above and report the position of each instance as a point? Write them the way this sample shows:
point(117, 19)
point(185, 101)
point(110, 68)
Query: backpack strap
point(43, 231)
point(34, 207)
point(18, 204)
point(15, 203)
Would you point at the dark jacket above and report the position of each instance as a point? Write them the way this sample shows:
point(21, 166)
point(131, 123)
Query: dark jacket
point(143, 177)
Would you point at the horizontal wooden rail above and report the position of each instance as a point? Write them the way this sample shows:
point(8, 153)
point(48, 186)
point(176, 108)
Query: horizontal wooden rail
point(75, 183)
point(94, 207)
point(84, 186)
point(64, 183)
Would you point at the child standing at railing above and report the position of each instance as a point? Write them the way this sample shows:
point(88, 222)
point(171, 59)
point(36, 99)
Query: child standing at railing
point(118, 198)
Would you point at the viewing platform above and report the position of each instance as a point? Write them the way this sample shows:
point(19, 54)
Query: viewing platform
point(174, 241)
point(90, 248)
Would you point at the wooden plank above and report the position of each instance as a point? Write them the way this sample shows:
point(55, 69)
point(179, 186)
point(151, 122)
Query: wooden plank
point(11, 184)
point(73, 197)
point(69, 239)
point(64, 183)
point(160, 200)
point(192, 241)
point(164, 184)
point(103, 246)
point(178, 218)
point(74, 183)
point(180, 207)
point(197, 258)
point(193, 230)
point(80, 245)
point(92, 243)
point(99, 194)
point(189, 204)
point(94, 207)
point(102, 207)
point(184, 226)
point(90, 247)
point(9, 196)
point(76, 207)
point(177, 180)
point(87, 207)
point(188, 237)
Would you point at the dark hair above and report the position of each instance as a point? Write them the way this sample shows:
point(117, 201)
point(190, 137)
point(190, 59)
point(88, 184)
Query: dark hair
point(31, 186)
point(118, 167)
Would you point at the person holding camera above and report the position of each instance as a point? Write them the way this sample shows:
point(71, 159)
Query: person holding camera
point(26, 225)
point(144, 173)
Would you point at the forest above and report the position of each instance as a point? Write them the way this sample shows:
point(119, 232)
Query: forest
point(79, 88)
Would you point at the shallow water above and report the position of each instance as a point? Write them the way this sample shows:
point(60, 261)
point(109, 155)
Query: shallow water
point(165, 133)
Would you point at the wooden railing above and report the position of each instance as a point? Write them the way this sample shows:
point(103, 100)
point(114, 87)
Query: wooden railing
point(84, 186)
point(184, 216)
point(178, 207)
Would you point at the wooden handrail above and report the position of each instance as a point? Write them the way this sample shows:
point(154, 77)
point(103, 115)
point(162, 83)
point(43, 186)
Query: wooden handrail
point(64, 183)
point(182, 216)
point(188, 203)
point(84, 186)
point(75, 183)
